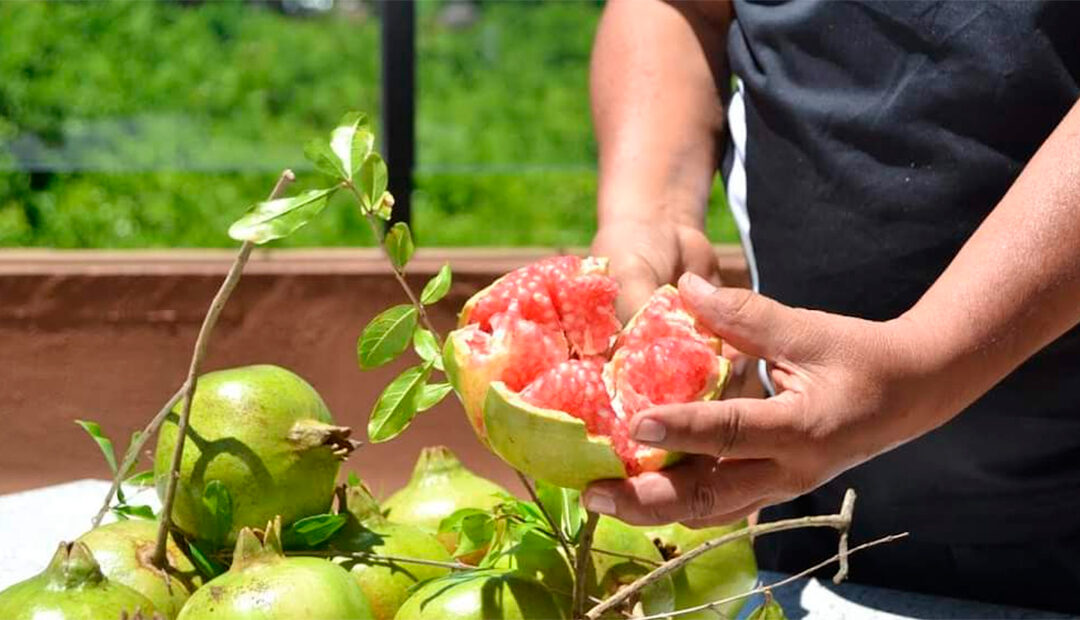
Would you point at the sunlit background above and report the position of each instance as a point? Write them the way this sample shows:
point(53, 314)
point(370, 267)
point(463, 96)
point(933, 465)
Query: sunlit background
point(154, 123)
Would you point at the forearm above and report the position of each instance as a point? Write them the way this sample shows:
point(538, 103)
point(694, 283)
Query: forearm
point(657, 71)
point(1015, 285)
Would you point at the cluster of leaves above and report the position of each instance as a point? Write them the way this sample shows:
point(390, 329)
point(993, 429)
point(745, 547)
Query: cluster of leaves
point(503, 531)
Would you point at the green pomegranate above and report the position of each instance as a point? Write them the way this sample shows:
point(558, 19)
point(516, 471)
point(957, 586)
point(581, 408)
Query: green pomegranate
point(385, 582)
point(124, 550)
point(441, 485)
point(717, 574)
point(488, 594)
point(267, 436)
point(263, 584)
point(72, 586)
point(538, 556)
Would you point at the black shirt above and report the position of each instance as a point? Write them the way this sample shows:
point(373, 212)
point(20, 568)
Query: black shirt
point(878, 137)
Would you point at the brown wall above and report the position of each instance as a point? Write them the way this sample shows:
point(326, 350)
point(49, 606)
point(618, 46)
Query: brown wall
point(108, 336)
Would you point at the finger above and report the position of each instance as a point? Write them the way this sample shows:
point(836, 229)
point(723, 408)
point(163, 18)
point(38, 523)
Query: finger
point(736, 427)
point(749, 513)
point(753, 323)
point(637, 281)
point(698, 488)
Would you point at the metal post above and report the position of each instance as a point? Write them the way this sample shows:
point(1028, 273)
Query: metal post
point(399, 101)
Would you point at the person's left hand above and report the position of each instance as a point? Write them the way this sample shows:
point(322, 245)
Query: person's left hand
point(847, 390)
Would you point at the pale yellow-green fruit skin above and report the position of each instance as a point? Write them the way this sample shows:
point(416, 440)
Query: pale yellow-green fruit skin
point(387, 584)
point(717, 574)
point(263, 584)
point(124, 550)
point(72, 587)
point(481, 595)
point(250, 428)
point(439, 486)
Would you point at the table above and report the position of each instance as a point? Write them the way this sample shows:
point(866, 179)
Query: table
point(33, 522)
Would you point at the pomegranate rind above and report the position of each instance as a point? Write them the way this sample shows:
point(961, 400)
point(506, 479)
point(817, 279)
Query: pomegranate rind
point(551, 445)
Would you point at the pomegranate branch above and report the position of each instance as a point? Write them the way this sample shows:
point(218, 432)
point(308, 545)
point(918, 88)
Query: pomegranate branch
point(840, 522)
point(399, 273)
point(133, 451)
point(765, 589)
point(202, 342)
point(581, 564)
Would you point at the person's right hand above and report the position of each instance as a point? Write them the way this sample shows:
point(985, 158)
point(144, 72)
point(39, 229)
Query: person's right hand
point(647, 254)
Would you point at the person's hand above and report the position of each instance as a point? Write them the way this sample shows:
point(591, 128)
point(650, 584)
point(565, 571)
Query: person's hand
point(848, 389)
point(644, 255)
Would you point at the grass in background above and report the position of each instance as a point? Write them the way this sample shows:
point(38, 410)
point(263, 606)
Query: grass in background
point(155, 124)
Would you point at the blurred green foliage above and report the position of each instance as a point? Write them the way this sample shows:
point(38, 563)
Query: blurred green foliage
point(154, 124)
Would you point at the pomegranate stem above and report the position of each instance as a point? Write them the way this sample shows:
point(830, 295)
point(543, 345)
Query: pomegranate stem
point(133, 453)
point(202, 342)
point(581, 564)
point(840, 521)
point(399, 275)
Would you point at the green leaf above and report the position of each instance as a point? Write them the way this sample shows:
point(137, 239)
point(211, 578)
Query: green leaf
point(144, 478)
point(139, 512)
point(564, 506)
point(274, 219)
point(312, 531)
point(348, 147)
point(431, 395)
point(201, 558)
point(475, 529)
point(103, 442)
point(769, 610)
point(427, 347)
point(397, 405)
point(386, 336)
point(437, 286)
point(218, 504)
point(318, 152)
point(353, 480)
point(399, 244)
point(372, 181)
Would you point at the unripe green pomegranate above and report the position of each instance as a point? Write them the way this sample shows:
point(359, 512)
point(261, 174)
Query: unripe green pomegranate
point(124, 550)
point(441, 485)
point(488, 594)
point(717, 574)
point(71, 587)
point(267, 436)
point(263, 584)
point(386, 583)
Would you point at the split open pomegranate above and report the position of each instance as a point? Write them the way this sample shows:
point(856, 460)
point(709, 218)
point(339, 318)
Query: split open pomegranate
point(550, 378)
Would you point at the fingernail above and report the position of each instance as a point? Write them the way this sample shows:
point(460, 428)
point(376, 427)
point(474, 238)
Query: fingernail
point(650, 430)
point(600, 501)
point(695, 283)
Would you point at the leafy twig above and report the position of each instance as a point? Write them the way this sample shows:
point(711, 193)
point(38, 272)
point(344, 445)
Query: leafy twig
point(581, 564)
point(399, 275)
point(133, 453)
point(626, 556)
point(555, 529)
point(840, 556)
point(840, 522)
point(202, 342)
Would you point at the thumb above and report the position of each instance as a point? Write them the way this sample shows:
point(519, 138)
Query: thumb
point(753, 323)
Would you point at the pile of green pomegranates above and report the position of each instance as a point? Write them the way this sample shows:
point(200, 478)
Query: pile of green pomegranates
point(262, 530)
